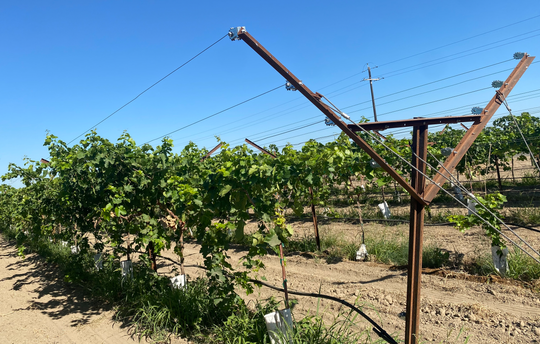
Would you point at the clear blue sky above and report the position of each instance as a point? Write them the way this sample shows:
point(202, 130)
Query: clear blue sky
point(66, 65)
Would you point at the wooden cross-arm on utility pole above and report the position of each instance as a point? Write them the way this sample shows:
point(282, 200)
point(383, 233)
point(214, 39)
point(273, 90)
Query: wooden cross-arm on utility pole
point(470, 136)
point(240, 33)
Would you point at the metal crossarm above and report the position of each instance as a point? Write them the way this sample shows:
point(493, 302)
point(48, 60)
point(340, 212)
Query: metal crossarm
point(315, 98)
point(470, 136)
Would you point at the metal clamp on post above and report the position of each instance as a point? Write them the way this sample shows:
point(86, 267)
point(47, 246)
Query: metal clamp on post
point(477, 110)
point(289, 86)
point(518, 55)
point(235, 31)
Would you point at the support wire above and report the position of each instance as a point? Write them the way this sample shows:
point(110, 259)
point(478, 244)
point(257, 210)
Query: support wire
point(154, 84)
point(447, 192)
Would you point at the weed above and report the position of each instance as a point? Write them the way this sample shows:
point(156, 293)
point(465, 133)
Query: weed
point(521, 267)
point(386, 248)
point(530, 179)
point(525, 216)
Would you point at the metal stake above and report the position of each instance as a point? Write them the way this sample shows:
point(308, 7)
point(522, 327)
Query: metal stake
point(414, 276)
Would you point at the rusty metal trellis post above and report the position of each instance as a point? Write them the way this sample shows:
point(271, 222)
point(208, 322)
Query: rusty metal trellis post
point(421, 195)
point(416, 229)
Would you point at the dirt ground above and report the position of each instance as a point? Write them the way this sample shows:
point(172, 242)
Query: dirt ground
point(38, 307)
point(484, 311)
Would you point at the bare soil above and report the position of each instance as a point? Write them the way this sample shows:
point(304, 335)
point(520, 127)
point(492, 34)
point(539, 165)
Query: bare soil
point(485, 310)
point(38, 307)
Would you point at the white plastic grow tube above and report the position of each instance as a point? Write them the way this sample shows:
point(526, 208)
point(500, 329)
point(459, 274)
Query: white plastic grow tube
point(362, 253)
point(279, 326)
point(500, 261)
point(127, 269)
point(383, 207)
point(179, 281)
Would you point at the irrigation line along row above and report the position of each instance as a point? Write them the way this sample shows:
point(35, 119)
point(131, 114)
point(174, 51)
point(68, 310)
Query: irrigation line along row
point(455, 198)
point(376, 327)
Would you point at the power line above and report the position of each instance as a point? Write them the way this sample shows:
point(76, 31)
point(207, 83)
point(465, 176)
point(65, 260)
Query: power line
point(465, 51)
point(154, 84)
point(288, 131)
point(431, 102)
point(433, 82)
point(433, 90)
point(462, 40)
point(259, 121)
point(215, 114)
point(315, 123)
point(400, 131)
point(305, 106)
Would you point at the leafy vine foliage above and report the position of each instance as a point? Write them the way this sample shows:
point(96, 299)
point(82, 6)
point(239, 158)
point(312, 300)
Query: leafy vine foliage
point(493, 203)
point(120, 198)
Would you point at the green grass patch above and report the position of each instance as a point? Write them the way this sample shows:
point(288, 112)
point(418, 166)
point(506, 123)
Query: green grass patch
point(248, 327)
point(385, 248)
point(525, 216)
point(521, 267)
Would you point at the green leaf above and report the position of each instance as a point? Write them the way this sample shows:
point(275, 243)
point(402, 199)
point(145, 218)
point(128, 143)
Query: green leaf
point(273, 240)
point(225, 190)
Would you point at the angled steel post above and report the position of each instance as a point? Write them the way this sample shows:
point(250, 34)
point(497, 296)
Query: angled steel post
point(468, 139)
point(211, 152)
point(315, 99)
point(260, 148)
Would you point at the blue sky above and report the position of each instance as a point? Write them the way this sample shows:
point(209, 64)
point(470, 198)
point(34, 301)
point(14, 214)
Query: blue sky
point(66, 65)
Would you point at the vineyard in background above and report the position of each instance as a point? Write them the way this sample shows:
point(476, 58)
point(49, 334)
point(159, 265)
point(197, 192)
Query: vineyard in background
point(121, 199)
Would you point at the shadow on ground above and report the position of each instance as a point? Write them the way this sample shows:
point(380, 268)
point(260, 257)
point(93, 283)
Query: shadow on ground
point(51, 295)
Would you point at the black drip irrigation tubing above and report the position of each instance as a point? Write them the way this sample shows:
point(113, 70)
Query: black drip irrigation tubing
point(376, 327)
point(526, 227)
point(368, 220)
point(403, 221)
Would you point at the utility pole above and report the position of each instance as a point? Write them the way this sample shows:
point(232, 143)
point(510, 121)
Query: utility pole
point(372, 96)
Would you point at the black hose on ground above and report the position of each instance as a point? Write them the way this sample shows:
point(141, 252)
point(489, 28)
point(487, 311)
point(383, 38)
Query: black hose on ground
point(526, 227)
point(376, 327)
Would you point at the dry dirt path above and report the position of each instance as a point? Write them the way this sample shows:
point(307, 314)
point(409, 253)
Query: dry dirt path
point(37, 307)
